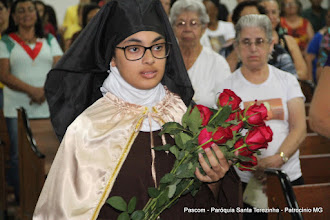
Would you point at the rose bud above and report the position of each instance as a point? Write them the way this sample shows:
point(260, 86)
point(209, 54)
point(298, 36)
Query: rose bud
point(222, 135)
point(258, 137)
point(205, 113)
point(203, 137)
point(256, 114)
point(246, 165)
point(235, 116)
point(237, 127)
point(242, 149)
point(228, 97)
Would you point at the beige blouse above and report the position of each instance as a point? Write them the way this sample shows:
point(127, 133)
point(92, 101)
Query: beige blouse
point(92, 153)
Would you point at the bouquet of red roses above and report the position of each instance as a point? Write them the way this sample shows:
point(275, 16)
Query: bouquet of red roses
point(230, 127)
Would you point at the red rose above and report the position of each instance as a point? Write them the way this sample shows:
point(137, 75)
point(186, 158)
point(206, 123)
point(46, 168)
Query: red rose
point(256, 114)
point(247, 165)
point(222, 135)
point(244, 151)
point(259, 137)
point(205, 113)
point(228, 97)
point(237, 127)
point(203, 137)
point(235, 116)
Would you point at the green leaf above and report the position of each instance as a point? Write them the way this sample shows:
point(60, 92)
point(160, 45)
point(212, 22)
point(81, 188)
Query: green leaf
point(194, 121)
point(123, 216)
point(186, 171)
point(118, 203)
point(167, 178)
point(153, 192)
point(131, 205)
point(244, 159)
point(222, 116)
point(171, 190)
point(171, 128)
point(137, 215)
point(174, 150)
point(181, 154)
point(181, 139)
point(185, 117)
point(163, 198)
point(165, 147)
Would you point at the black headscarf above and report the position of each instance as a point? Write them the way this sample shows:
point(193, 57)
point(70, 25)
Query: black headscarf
point(74, 83)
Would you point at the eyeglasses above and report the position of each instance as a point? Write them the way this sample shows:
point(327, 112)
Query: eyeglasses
point(23, 10)
point(193, 24)
point(259, 42)
point(136, 52)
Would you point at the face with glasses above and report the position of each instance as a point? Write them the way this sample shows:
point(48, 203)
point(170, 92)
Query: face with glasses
point(253, 47)
point(141, 59)
point(25, 14)
point(290, 7)
point(188, 29)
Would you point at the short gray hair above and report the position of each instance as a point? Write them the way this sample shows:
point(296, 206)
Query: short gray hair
point(189, 5)
point(254, 20)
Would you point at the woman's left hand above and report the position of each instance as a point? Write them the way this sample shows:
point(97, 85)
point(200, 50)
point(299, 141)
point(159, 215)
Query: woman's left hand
point(274, 161)
point(218, 162)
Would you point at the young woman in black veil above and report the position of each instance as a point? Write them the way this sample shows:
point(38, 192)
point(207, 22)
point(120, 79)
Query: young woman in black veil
point(111, 118)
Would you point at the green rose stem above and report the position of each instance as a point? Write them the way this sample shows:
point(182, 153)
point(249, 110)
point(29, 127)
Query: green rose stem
point(152, 202)
point(183, 159)
point(243, 145)
point(173, 200)
point(216, 114)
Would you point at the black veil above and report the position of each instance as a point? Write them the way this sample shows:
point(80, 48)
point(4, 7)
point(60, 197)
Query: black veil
point(74, 83)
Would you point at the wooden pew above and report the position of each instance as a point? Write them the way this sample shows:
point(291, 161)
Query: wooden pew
point(4, 158)
point(315, 197)
point(315, 144)
point(33, 135)
point(315, 168)
point(280, 195)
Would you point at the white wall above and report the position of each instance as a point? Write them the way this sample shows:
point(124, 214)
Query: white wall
point(60, 7)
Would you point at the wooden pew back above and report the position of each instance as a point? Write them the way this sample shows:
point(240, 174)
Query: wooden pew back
point(34, 137)
point(4, 158)
point(315, 168)
point(314, 197)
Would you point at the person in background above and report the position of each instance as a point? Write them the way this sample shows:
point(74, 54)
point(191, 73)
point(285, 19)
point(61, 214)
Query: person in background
point(26, 56)
point(319, 112)
point(218, 33)
point(48, 27)
point(279, 58)
point(166, 5)
point(295, 25)
point(313, 49)
point(71, 22)
point(206, 68)
point(315, 15)
point(223, 12)
point(4, 18)
point(88, 12)
point(108, 144)
point(286, 41)
point(279, 90)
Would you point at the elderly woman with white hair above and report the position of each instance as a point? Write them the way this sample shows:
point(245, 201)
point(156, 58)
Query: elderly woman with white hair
point(206, 68)
point(278, 90)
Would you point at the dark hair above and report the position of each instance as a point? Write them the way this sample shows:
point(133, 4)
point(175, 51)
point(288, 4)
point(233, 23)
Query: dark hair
point(50, 12)
point(240, 7)
point(4, 2)
point(282, 7)
point(12, 27)
point(86, 9)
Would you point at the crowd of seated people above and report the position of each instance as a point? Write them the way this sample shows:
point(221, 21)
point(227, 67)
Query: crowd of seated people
point(213, 54)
